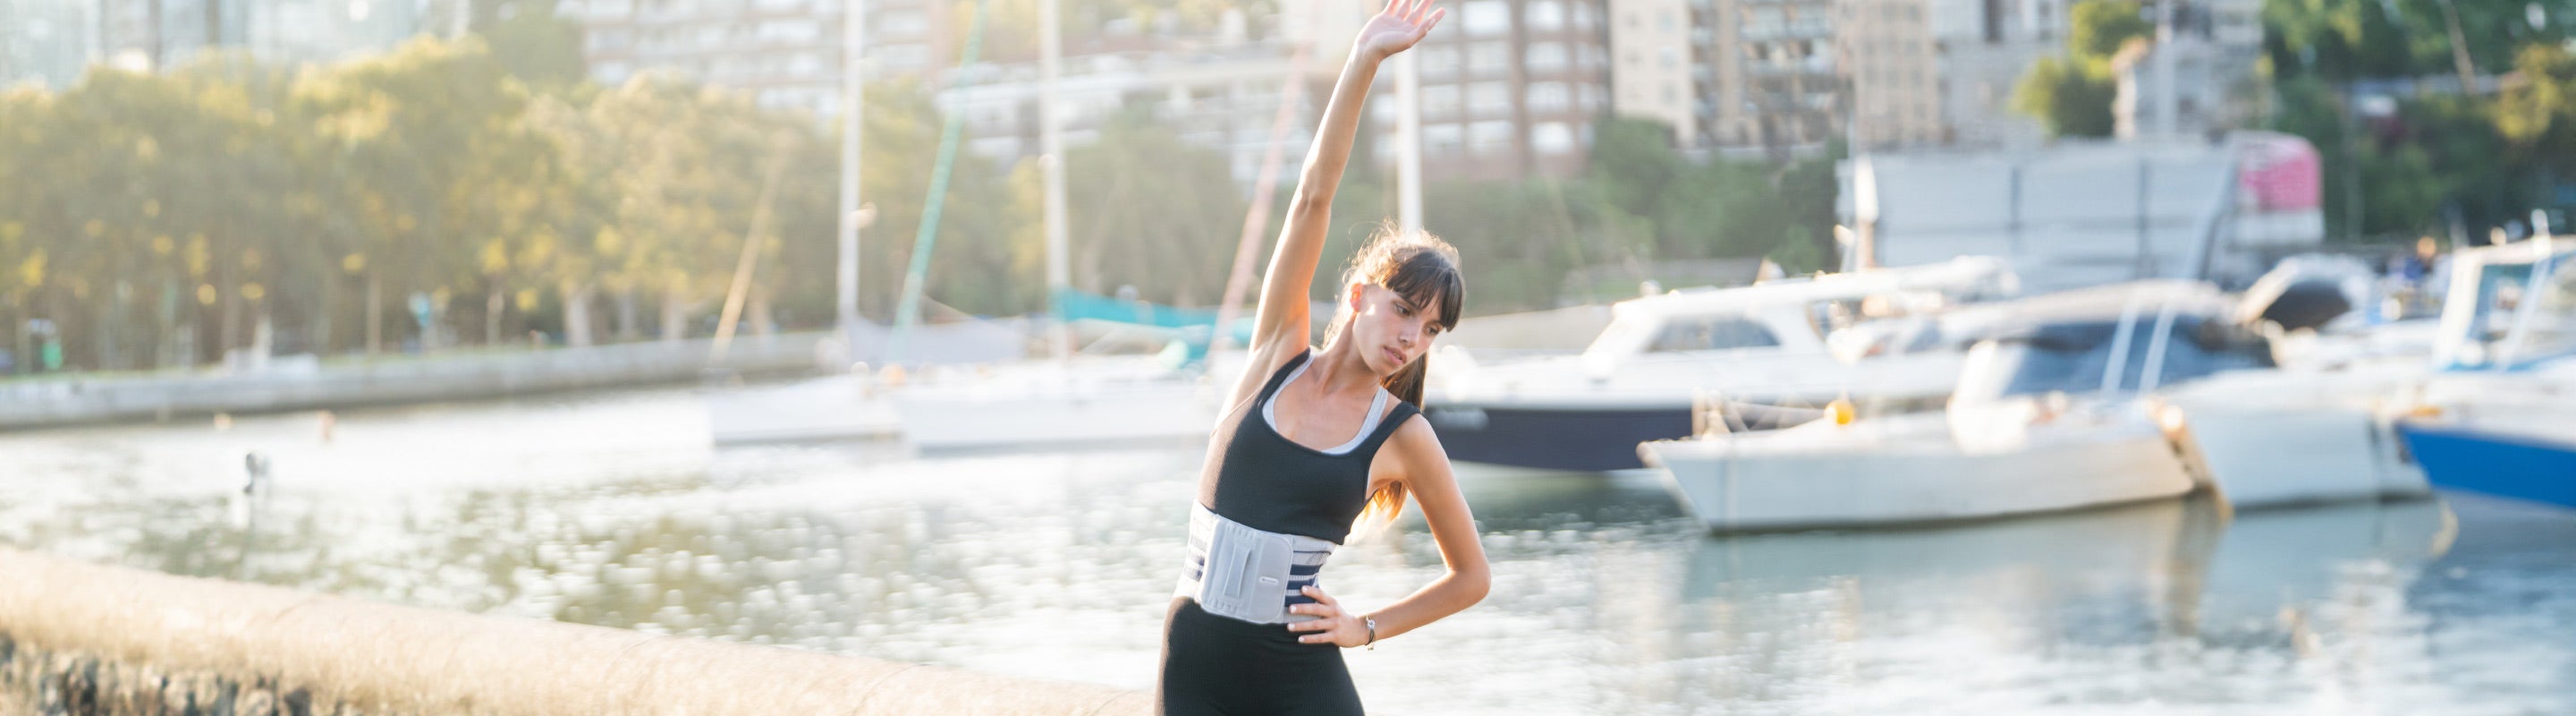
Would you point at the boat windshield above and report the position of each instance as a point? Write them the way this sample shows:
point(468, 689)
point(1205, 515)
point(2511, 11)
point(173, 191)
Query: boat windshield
point(1706, 333)
point(2551, 332)
point(2504, 332)
point(2075, 357)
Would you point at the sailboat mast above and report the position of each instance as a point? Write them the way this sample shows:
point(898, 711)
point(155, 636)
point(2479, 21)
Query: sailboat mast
point(1408, 142)
point(853, 34)
point(1051, 166)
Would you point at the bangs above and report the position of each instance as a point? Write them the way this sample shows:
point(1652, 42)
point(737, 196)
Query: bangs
point(1427, 278)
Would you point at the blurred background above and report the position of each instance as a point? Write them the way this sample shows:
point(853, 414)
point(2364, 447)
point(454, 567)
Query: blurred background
point(1821, 355)
point(181, 172)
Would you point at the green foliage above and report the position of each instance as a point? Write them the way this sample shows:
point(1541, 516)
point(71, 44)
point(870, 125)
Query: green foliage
point(2101, 27)
point(2070, 98)
point(155, 213)
point(2485, 159)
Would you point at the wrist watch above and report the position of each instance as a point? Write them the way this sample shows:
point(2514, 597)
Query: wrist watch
point(1371, 621)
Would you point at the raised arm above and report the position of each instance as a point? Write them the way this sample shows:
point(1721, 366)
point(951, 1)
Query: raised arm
point(1281, 323)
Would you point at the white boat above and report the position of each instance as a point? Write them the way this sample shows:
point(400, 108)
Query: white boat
point(2270, 438)
point(2498, 415)
point(849, 406)
point(850, 403)
point(2049, 417)
point(1083, 401)
point(2321, 426)
point(1766, 344)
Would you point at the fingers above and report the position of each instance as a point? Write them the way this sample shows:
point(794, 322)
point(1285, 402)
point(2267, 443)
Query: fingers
point(1318, 594)
point(1421, 12)
point(1433, 21)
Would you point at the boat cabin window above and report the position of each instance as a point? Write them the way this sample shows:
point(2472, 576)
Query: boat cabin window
point(2502, 291)
point(1712, 333)
point(2552, 332)
point(2073, 357)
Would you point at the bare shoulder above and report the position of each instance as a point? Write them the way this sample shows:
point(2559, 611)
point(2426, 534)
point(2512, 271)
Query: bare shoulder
point(1417, 448)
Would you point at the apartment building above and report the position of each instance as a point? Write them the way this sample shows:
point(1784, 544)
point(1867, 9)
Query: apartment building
point(786, 53)
point(1511, 91)
point(1751, 76)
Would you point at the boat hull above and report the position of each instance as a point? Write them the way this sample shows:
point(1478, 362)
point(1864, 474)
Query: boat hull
point(2522, 467)
point(839, 407)
point(2257, 458)
point(998, 420)
point(1571, 439)
point(1822, 484)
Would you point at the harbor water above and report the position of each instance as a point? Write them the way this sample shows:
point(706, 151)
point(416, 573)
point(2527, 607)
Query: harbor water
point(613, 509)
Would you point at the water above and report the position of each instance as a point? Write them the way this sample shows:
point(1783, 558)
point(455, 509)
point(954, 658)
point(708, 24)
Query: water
point(612, 510)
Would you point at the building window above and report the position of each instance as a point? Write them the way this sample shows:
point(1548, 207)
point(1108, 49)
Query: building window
point(611, 8)
point(1544, 57)
point(1486, 17)
point(1489, 98)
point(906, 22)
point(904, 57)
point(1549, 97)
point(610, 73)
point(1441, 139)
point(1544, 14)
point(776, 31)
point(1668, 58)
point(1583, 16)
point(1439, 101)
point(1489, 57)
point(1491, 136)
point(1552, 138)
point(1442, 60)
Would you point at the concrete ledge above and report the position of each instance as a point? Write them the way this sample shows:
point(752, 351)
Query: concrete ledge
point(272, 650)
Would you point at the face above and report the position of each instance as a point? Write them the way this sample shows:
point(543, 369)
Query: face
point(1388, 330)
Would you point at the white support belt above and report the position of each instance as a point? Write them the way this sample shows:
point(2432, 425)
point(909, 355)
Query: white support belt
point(1237, 571)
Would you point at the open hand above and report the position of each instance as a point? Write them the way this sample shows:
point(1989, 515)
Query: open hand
point(1397, 27)
point(1336, 627)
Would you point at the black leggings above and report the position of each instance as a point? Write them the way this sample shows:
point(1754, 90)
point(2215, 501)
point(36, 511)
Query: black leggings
point(1221, 665)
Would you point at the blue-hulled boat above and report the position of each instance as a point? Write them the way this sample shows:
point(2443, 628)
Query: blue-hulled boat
point(2500, 409)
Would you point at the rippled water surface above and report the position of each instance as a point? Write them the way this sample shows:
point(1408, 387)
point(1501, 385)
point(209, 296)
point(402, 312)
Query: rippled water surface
point(613, 510)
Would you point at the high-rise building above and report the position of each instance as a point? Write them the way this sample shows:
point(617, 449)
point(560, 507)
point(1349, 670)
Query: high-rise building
point(786, 53)
point(1891, 67)
point(1730, 75)
point(53, 42)
point(1510, 91)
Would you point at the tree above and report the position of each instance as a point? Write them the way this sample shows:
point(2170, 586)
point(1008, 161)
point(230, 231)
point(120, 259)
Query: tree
point(2099, 28)
point(2069, 97)
point(425, 136)
point(2539, 115)
point(1152, 211)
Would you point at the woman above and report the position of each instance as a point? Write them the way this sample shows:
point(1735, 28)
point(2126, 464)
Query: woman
point(1313, 440)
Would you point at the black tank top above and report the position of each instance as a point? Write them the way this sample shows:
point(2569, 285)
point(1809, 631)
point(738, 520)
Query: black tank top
point(1258, 477)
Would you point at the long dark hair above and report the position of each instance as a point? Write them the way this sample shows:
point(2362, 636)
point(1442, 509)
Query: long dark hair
point(1424, 270)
